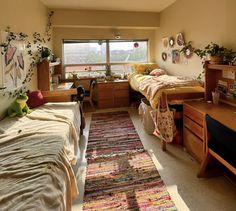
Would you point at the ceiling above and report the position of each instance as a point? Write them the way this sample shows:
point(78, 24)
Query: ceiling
point(115, 5)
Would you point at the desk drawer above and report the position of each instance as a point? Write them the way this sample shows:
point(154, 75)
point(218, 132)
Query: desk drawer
point(120, 86)
point(193, 144)
point(194, 127)
point(193, 114)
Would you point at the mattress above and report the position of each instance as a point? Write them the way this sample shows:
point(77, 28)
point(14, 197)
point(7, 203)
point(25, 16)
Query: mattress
point(37, 153)
point(175, 94)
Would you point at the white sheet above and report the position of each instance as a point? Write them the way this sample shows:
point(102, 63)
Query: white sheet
point(36, 154)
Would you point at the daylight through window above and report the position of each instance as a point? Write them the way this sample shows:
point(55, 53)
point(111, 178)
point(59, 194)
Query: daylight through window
point(95, 56)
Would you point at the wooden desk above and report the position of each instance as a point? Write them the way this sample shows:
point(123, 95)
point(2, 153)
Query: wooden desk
point(194, 124)
point(60, 93)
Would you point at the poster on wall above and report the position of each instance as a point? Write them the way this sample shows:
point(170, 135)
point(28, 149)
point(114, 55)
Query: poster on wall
point(13, 63)
point(175, 56)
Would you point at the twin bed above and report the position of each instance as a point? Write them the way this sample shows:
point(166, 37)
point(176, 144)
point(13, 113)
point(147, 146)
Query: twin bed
point(37, 153)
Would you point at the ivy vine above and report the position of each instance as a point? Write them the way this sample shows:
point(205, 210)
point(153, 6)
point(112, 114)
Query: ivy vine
point(34, 52)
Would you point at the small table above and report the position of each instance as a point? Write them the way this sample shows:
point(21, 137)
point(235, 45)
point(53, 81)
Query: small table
point(60, 93)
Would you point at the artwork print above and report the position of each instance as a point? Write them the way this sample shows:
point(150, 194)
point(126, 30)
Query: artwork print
point(13, 63)
point(175, 56)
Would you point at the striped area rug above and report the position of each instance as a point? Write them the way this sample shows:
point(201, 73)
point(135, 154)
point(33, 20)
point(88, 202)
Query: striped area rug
point(120, 173)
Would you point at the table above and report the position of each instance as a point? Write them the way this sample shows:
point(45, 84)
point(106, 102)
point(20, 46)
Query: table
point(60, 93)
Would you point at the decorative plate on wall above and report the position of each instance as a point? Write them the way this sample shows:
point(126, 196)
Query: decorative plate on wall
point(164, 56)
point(180, 39)
point(171, 41)
point(165, 42)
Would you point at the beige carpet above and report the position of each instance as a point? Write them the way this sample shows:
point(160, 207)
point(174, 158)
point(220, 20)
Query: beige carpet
point(178, 170)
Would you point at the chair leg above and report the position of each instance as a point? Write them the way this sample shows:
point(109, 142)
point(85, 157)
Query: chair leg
point(202, 171)
point(163, 145)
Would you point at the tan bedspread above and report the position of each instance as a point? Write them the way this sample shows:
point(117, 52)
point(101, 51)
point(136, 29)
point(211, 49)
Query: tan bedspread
point(36, 154)
point(149, 86)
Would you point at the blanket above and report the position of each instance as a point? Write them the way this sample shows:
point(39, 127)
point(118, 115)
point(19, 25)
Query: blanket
point(149, 86)
point(36, 153)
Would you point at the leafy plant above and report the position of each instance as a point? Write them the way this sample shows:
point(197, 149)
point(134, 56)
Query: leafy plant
point(211, 49)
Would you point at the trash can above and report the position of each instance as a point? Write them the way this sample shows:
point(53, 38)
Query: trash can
point(144, 112)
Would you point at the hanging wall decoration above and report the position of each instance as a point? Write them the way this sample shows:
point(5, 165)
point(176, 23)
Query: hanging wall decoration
point(165, 41)
point(175, 56)
point(164, 56)
point(171, 42)
point(180, 39)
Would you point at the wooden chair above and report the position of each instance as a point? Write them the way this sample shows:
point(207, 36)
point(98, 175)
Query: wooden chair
point(220, 144)
point(88, 96)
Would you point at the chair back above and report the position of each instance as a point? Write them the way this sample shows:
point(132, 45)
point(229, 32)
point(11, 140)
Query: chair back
point(221, 133)
point(92, 85)
point(80, 93)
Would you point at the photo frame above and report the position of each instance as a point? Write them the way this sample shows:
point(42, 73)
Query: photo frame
point(175, 56)
point(164, 56)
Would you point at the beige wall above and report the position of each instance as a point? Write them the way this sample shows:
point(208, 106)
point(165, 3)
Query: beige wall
point(82, 24)
point(25, 16)
point(85, 18)
point(201, 21)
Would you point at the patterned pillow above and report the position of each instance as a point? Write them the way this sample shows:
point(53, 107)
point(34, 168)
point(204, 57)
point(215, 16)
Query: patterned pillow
point(157, 72)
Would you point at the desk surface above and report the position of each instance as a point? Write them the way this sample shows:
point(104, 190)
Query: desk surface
point(223, 113)
point(60, 89)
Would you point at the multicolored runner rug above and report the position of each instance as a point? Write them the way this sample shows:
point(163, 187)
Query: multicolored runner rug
point(120, 173)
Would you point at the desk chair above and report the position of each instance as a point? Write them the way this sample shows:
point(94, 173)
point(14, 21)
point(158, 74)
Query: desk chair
point(88, 96)
point(80, 98)
point(220, 144)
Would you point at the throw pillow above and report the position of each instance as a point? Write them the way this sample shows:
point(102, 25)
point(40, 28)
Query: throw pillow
point(35, 99)
point(157, 72)
point(140, 68)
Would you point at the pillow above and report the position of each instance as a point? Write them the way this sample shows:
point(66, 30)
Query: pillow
point(140, 68)
point(35, 99)
point(157, 72)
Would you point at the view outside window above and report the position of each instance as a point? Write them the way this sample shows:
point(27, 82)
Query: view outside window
point(85, 57)
point(123, 51)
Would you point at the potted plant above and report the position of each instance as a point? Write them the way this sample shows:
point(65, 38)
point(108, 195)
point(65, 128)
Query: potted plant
point(215, 52)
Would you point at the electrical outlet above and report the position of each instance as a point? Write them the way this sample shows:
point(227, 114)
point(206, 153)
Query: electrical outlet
point(228, 74)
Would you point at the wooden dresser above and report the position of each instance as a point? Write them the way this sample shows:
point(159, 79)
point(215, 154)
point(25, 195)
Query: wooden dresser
point(113, 94)
point(193, 130)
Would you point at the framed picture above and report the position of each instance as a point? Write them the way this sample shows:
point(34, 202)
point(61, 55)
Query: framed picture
point(175, 56)
point(165, 41)
point(13, 63)
point(180, 39)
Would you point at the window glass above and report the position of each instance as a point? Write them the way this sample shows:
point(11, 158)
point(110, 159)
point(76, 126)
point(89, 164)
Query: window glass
point(85, 52)
point(128, 51)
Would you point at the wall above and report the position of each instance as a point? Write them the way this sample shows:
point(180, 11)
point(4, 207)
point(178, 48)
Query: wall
point(85, 24)
point(201, 21)
point(22, 16)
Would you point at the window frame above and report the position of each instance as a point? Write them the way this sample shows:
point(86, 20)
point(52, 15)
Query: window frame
point(108, 62)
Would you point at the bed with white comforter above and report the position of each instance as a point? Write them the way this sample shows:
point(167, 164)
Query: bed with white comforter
point(37, 152)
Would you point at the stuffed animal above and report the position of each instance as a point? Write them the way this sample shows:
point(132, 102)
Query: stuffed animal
point(19, 106)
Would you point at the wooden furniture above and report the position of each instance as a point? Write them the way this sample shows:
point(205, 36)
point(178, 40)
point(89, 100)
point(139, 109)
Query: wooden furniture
point(88, 96)
point(60, 93)
point(220, 144)
point(194, 124)
point(113, 94)
point(46, 70)
point(214, 73)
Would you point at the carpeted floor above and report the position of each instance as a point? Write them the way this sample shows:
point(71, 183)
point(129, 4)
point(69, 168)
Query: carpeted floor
point(120, 173)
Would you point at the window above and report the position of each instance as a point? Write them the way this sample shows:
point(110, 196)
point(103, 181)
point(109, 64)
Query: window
point(93, 56)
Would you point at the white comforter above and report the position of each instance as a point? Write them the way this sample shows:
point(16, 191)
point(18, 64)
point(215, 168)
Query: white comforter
point(36, 154)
